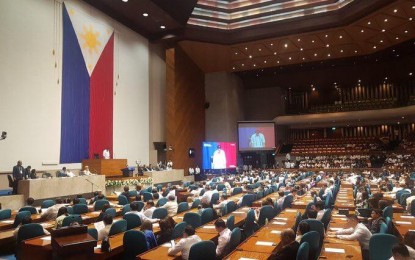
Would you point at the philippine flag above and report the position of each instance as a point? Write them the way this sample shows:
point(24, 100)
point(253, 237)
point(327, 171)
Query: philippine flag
point(87, 86)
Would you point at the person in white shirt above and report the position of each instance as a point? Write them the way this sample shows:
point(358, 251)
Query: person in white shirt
point(207, 196)
point(197, 191)
point(106, 154)
point(171, 206)
point(191, 171)
point(360, 233)
point(103, 233)
point(222, 203)
point(52, 212)
point(219, 159)
point(320, 207)
point(409, 202)
point(224, 238)
point(197, 170)
point(257, 140)
point(149, 209)
point(183, 246)
point(86, 171)
point(134, 210)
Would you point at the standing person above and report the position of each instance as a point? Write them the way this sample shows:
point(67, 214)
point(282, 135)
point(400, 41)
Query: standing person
point(18, 172)
point(219, 159)
point(106, 154)
point(183, 246)
point(257, 140)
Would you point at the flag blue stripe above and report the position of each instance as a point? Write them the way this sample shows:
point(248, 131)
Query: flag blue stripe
point(75, 98)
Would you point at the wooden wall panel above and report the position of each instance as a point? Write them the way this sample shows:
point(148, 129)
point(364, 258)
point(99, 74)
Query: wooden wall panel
point(185, 112)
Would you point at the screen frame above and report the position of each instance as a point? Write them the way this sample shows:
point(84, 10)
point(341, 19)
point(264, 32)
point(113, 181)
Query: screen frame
point(260, 149)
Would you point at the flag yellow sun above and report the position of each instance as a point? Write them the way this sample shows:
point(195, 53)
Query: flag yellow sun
point(90, 39)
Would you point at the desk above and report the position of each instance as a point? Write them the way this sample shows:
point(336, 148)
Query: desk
point(60, 187)
point(351, 251)
point(237, 254)
point(174, 175)
point(108, 167)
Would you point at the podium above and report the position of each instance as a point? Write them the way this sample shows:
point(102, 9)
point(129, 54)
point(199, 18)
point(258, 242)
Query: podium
point(107, 167)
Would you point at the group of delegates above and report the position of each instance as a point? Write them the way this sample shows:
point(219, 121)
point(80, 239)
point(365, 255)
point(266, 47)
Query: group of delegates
point(333, 161)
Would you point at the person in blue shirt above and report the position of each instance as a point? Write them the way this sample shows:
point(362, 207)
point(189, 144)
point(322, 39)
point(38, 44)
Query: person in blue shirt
point(147, 229)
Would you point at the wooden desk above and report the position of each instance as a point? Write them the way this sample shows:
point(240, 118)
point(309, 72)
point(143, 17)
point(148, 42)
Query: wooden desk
point(237, 254)
point(350, 251)
point(109, 167)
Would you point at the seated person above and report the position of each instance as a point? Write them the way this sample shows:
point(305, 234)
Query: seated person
point(222, 202)
point(126, 192)
point(75, 201)
point(95, 197)
point(52, 212)
point(149, 209)
point(376, 221)
point(102, 213)
point(27, 220)
point(33, 174)
point(281, 199)
point(171, 206)
point(103, 233)
point(86, 171)
point(400, 252)
point(409, 240)
point(138, 188)
point(165, 233)
point(224, 238)
point(29, 202)
point(62, 213)
point(62, 173)
point(360, 233)
point(320, 210)
point(134, 210)
point(147, 228)
point(289, 247)
point(183, 246)
point(303, 228)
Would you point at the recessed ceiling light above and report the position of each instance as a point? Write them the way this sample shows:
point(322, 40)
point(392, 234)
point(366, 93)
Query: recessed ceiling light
point(362, 31)
point(233, 68)
point(383, 30)
point(145, 14)
point(278, 61)
point(259, 49)
point(272, 44)
point(298, 40)
point(327, 45)
point(374, 47)
point(289, 58)
point(413, 7)
point(236, 53)
point(275, 53)
point(246, 48)
point(301, 49)
point(163, 27)
point(403, 117)
point(410, 18)
point(381, 41)
point(243, 64)
point(326, 36)
point(303, 58)
point(368, 23)
point(315, 54)
point(312, 41)
point(355, 51)
point(397, 38)
point(396, 10)
point(328, 55)
point(341, 36)
point(341, 50)
point(286, 45)
point(250, 56)
point(406, 31)
point(254, 65)
point(125, 1)
point(386, 20)
point(410, 73)
point(265, 61)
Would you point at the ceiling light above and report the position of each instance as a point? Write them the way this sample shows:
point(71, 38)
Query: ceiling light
point(243, 64)
point(289, 58)
point(362, 31)
point(410, 18)
point(368, 23)
point(246, 48)
point(406, 31)
point(278, 61)
point(145, 14)
point(254, 65)
point(326, 36)
point(272, 44)
point(298, 40)
point(301, 49)
point(236, 53)
point(286, 45)
point(250, 56)
point(303, 58)
point(233, 68)
point(397, 38)
point(341, 50)
point(314, 89)
point(259, 50)
point(355, 51)
point(163, 27)
point(381, 41)
point(125, 1)
point(413, 7)
point(386, 20)
point(327, 45)
point(396, 10)
point(383, 30)
point(341, 36)
point(403, 117)
point(275, 53)
point(265, 61)
point(359, 80)
point(374, 47)
point(315, 54)
point(410, 73)
point(386, 78)
point(312, 41)
point(328, 55)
